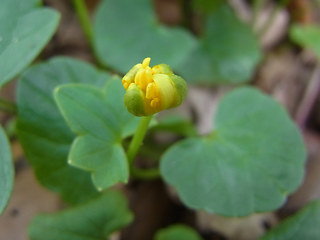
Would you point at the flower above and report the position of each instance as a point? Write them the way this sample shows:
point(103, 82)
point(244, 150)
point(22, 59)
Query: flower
point(151, 90)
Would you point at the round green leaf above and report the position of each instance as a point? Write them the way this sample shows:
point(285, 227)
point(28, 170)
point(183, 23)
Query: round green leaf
point(6, 170)
point(24, 31)
point(43, 133)
point(94, 220)
point(127, 31)
point(228, 51)
point(176, 232)
point(101, 120)
point(307, 36)
point(251, 161)
point(304, 225)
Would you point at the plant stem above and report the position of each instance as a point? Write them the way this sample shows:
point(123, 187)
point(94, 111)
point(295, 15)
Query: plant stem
point(137, 139)
point(272, 17)
point(133, 149)
point(7, 106)
point(85, 22)
point(145, 174)
point(84, 19)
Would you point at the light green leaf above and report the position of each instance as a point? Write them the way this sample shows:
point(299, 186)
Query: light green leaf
point(127, 31)
point(25, 29)
point(43, 133)
point(250, 163)
point(100, 120)
point(6, 171)
point(176, 232)
point(95, 220)
point(304, 225)
point(307, 36)
point(228, 52)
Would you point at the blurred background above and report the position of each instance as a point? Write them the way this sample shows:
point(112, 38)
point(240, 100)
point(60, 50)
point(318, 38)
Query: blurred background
point(250, 42)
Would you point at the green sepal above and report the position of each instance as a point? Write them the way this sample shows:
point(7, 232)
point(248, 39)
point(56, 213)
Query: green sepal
point(134, 100)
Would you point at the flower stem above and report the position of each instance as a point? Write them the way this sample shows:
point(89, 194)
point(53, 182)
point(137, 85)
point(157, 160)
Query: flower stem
point(137, 139)
point(133, 149)
point(7, 106)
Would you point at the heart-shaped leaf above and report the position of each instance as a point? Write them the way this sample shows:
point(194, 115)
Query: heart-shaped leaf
point(177, 231)
point(307, 36)
point(95, 220)
point(127, 31)
point(251, 161)
point(25, 29)
point(43, 133)
point(6, 170)
point(304, 225)
point(228, 51)
point(101, 120)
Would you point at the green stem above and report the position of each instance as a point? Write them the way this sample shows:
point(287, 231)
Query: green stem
point(7, 106)
point(272, 17)
point(85, 22)
point(137, 139)
point(134, 146)
point(145, 174)
point(84, 19)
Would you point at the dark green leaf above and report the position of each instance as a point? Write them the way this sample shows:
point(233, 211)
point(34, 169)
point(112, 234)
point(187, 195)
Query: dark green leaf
point(250, 163)
point(43, 133)
point(228, 52)
point(101, 121)
point(304, 225)
point(24, 31)
point(95, 220)
point(177, 232)
point(127, 31)
point(6, 170)
point(307, 36)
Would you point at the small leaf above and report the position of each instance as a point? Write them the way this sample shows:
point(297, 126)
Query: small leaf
point(228, 52)
point(304, 225)
point(176, 232)
point(127, 31)
point(6, 171)
point(25, 30)
point(250, 163)
point(101, 121)
point(307, 36)
point(95, 220)
point(43, 133)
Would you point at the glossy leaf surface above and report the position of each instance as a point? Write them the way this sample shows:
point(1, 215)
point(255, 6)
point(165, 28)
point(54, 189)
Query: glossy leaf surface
point(95, 220)
point(303, 225)
point(25, 29)
point(44, 134)
point(228, 51)
point(251, 161)
point(101, 121)
point(127, 31)
point(177, 231)
point(6, 170)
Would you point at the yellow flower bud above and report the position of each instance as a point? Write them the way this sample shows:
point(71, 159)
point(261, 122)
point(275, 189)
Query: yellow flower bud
point(151, 90)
